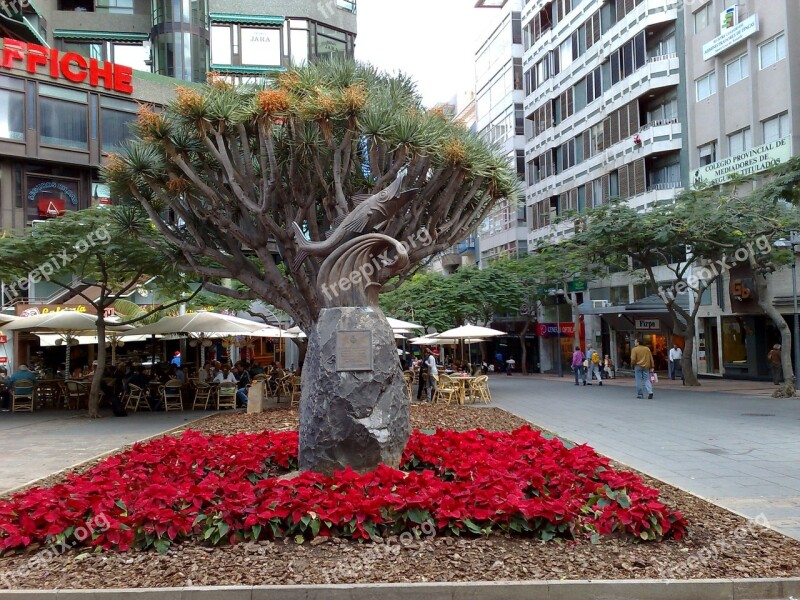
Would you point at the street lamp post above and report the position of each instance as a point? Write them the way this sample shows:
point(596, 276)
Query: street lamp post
point(793, 242)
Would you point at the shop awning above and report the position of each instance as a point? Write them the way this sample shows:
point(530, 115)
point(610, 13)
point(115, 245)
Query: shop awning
point(245, 69)
point(239, 19)
point(87, 34)
point(623, 318)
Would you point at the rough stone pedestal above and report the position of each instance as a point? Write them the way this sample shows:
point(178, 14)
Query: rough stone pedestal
point(356, 419)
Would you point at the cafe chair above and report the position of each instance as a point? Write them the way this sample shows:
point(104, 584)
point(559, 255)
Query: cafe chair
point(22, 396)
point(202, 395)
point(77, 393)
point(408, 376)
point(171, 396)
point(479, 389)
point(296, 391)
point(226, 395)
point(446, 390)
point(135, 397)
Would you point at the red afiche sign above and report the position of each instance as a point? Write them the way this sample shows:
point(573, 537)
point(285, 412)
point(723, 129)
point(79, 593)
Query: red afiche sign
point(66, 65)
point(3, 339)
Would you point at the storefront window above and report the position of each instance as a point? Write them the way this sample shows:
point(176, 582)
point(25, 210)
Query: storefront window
point(299, 42)
point(734, 341)
point(116, 116)
point(221, 47)
point(63, 117)
point(12, 108)
point(88, 49)
point(618, 295)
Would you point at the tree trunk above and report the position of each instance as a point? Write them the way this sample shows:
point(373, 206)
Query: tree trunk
point(97, 378)
point(787, 390)
point(687, 364)
point(355, 417)
point(524, 346)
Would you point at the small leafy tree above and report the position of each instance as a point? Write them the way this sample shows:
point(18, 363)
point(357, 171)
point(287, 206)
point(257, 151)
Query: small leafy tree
point(87, 254)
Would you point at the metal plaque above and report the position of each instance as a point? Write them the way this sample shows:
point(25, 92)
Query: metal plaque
point(354, 351)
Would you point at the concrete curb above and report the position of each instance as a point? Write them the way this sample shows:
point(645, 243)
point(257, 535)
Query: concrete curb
point(644, 589)
point(14, 490)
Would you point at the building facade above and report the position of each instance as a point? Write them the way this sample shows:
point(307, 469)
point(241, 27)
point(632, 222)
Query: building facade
point(605, 110)
point(744, 116)
point(500, 120)
point(75, 72)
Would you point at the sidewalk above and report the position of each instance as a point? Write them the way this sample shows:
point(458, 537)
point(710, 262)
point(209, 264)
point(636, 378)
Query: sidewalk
point(36, 445)
point(728, 442)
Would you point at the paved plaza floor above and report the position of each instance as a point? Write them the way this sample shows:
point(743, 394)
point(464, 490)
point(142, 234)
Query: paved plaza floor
point(740, 449)
point(39, 444)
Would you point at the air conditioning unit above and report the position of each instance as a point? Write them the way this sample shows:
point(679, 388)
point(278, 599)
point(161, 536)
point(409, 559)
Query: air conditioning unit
point(600, 303)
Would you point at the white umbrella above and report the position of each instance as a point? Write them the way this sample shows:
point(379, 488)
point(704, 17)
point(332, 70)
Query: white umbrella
point(297, 331)
point(6, 319)
point(398, 324)
point(200, 322)
point(65, 322)
point(470, 331)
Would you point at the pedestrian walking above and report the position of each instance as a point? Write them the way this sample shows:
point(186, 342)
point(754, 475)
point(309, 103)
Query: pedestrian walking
point(577, 365)
point(593, 358)
point(510, 364)
point(775, 363)
point(608, 367)
point(433, 374)
point(643, 365)
point(675, 357)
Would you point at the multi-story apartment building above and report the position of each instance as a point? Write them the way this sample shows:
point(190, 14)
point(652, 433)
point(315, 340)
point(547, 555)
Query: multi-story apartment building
point(499, 112)
point(744, 116)
point(605, 109)
point(74, 73)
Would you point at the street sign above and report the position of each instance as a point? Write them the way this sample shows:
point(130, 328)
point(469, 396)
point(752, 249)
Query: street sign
point(578, 285)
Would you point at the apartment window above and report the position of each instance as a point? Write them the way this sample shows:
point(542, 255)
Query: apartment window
point(12, 108)
point(122, 7)
point(594, 85)
point(582, 198)
point(706, 86)
point(739, 142)
point(776, 128)
point(772, 51)
point(597, 192)
point(737, 69)
point(708, 154)
point(63, 117)
point(630, 57)
point(702, 18)
point(565, 54)
point(595, 139)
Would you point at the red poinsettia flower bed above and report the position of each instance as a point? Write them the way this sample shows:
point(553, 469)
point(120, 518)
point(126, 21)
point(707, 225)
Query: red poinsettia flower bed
point(226, 489)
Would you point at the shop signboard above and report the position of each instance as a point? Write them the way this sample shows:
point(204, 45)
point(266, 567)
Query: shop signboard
point(67, 66)
point(261, 47)
point(552, 329)
point(648, 324)
point(31, 310)
point(3, 360)
point(730, 36)
point(747, 163)
point(3, 339)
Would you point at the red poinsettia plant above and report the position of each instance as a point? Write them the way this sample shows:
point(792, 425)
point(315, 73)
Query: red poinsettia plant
point(226, 489)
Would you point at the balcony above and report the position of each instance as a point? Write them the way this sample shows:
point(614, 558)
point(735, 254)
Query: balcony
point(467, 245)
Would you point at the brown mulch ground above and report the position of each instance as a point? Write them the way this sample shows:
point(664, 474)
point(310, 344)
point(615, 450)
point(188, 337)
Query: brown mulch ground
point(720, 544)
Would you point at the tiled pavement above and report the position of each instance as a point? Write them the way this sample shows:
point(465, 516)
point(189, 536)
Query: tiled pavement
point(740, 450)
point(39, 444)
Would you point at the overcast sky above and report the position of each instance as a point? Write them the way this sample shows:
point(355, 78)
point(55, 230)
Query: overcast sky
point(432, 40)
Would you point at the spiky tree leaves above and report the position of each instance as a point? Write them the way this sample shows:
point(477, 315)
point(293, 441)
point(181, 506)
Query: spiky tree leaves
point(225, 171)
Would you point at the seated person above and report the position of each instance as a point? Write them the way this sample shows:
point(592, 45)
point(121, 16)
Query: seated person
point(243, 380)
point(24, 374)
point(76, 374)
point(256, 369)
point(139, 378)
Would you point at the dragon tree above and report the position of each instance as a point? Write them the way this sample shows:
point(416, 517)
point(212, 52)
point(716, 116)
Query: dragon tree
point(313, 190)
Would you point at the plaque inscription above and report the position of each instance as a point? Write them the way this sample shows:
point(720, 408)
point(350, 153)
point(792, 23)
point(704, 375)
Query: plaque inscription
point(354, 351)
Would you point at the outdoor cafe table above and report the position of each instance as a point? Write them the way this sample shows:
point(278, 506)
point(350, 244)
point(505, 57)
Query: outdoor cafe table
point(462, 383)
